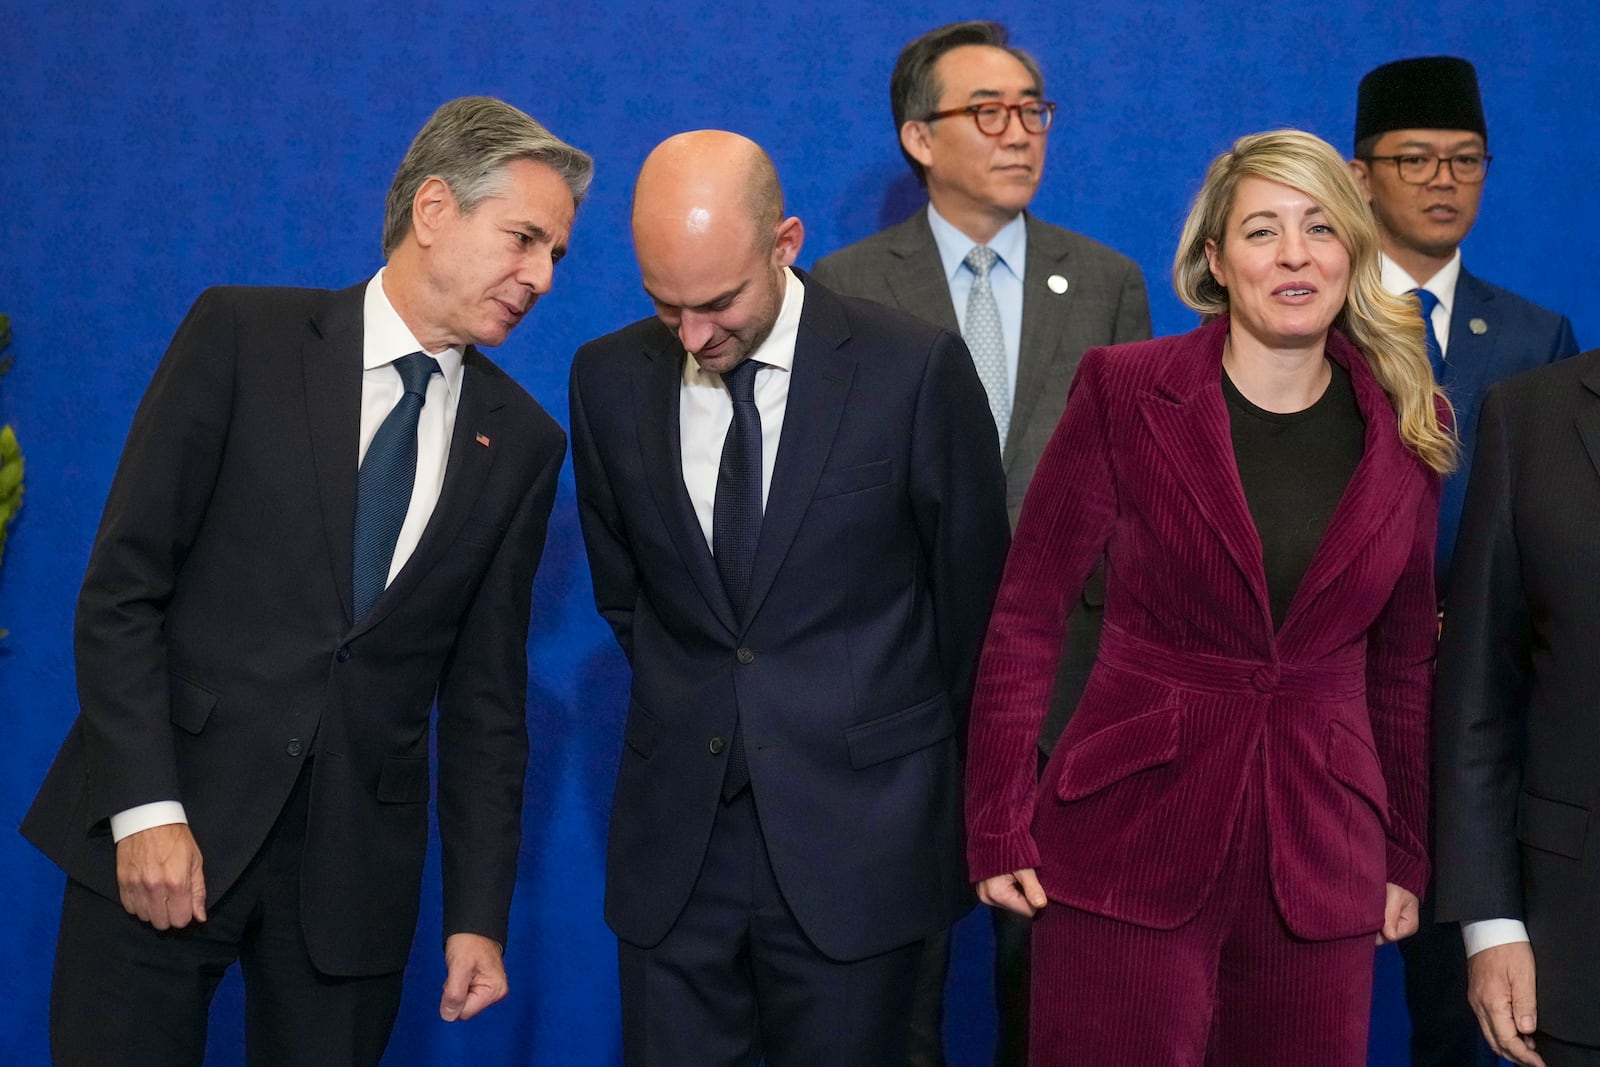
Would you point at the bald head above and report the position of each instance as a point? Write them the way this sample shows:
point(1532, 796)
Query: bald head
point(712, 242)
point(707, 183)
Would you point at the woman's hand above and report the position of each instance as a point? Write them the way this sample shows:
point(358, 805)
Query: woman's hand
point(1399, 914)
point(1020, 892)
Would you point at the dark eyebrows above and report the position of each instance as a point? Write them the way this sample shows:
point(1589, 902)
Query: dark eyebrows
point(532, 229)
point(720, 298)
point(1470, 145)
point(995, 94)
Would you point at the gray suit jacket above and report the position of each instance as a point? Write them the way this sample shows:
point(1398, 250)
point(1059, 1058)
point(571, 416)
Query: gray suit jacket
point(1104, 303)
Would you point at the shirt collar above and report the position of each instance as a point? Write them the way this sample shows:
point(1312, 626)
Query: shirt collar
point(386, 337)
point(1397, 280)
point(1010, 244)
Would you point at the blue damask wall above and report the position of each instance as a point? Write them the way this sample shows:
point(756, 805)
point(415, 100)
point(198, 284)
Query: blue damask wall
point(149, 149)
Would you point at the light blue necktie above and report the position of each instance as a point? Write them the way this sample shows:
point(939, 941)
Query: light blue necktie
point(383, 486)
point(985, 340)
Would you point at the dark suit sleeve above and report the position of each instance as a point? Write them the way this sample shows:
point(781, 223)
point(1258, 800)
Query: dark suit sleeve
point(157, 501)
point(611, 569)
point(1133, 309)
point(958, 490)
point(482, 729)
point(1482, 694)
point(1400, 661)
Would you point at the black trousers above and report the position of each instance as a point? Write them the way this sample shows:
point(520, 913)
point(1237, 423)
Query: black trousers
point(124, 993)
point(736, 980)
point(1444, 1032)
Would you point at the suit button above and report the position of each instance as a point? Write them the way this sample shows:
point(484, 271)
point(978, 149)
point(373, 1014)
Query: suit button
point(1265, 679)
point(294, 747)
point(715, 746)
point(745, 655)
point(342, 655)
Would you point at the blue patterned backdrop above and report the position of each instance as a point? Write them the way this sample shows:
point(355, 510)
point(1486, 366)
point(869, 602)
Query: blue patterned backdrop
point(149, 149)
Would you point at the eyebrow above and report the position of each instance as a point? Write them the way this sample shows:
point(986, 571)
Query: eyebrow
point(1314, 209)
point(1465, 144)
point(534, 230)
point(996, 94)
point(719, 298)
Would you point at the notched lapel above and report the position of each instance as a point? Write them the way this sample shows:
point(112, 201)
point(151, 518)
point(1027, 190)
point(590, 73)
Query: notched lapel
point(331, 364)
point(1588, 420)
point(655, 405)
point(1192, 430)
point(1046, 324)
point(915, 274)
point(1471, 355)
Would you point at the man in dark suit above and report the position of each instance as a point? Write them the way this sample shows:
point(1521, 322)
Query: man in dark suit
point(263, 631)
point(972, 121)
point(795, 536)
point(1421, 154)
point(1517, 740)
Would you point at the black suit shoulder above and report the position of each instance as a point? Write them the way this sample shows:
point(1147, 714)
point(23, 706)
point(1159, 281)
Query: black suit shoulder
point(1534, 391)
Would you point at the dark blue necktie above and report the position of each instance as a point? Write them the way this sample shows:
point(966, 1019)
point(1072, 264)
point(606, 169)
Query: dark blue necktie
point(383, 487)
point(1427, 302)
point(736, 524)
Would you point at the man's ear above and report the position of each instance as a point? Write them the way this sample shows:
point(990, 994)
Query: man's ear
point(1363, 175)
point(791, 235)
point(430, 208)
point(914, 139)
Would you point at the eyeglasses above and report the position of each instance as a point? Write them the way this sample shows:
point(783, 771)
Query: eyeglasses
point(993, 118)
point(1421, 170)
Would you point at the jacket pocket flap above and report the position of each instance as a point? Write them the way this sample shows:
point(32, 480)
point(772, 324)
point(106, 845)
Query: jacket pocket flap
point(900, 733)
point(403, 780)
point(191, 704)
point(854, 479)
point(1552, 826)
point(1353, 761)
point(1149, 739)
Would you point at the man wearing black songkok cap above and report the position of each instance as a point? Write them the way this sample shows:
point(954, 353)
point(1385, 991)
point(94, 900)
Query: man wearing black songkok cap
point(1421, 153)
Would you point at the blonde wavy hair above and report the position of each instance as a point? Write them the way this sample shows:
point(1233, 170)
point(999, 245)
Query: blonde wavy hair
point(1386, 328)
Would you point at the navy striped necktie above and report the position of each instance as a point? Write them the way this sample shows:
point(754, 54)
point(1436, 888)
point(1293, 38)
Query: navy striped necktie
point(736, 526)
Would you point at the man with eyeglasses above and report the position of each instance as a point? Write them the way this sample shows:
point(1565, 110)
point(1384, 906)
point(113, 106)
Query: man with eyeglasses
point(1029, 298)
point(1421, 154)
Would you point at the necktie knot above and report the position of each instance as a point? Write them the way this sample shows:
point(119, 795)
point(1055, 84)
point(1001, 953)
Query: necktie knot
point(980, 259)
point(415, 370)
point(741, 381)
point(1427, 300)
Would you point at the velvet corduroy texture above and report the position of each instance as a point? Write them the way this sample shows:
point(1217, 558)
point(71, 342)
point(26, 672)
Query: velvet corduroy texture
point(1134, 813)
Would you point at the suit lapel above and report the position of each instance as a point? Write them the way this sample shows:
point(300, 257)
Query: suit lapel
point(1588, 419)
point(331, 365)
point(1471, 350)
point(655, 403)
point(818, 387)
point(1381, 480)
point(1045, 325)
point(915, 274)
point(1188, 417)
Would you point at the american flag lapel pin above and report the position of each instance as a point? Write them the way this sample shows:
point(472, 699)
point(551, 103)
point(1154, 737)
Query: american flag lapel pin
point(482, 439)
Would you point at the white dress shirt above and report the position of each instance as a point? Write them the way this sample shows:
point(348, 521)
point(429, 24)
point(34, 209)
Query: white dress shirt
point(1005, 279)
point(1398, 281)
point(385, 338)
point(1486, 933)
point(705, 410)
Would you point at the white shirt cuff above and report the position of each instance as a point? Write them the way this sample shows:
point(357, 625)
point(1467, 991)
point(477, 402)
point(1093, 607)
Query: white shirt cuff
point(1489, 933)
point(145, 817)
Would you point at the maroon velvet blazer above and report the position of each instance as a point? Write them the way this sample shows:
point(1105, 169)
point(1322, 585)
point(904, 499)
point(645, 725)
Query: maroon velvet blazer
point(1194, 691)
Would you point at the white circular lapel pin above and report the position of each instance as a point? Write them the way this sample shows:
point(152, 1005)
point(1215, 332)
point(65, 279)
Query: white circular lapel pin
point(1058, 284)
point(1478, 326)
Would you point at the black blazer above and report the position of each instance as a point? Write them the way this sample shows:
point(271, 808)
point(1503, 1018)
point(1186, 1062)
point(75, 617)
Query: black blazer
point(880, 549)
point(1102, 303)
point(1517, 741)
point(216, 652)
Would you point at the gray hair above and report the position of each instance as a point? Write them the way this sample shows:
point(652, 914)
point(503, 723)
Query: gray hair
point(467, 145)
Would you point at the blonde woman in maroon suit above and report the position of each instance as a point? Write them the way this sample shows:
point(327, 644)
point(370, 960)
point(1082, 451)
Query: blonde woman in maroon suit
point(1239, 805)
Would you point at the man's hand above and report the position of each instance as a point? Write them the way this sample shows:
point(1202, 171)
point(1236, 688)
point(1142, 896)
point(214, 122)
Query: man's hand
point(1500, 990)
point(475, 976)
point(1018, 891)
point(159, 876)
point(1400, 914)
